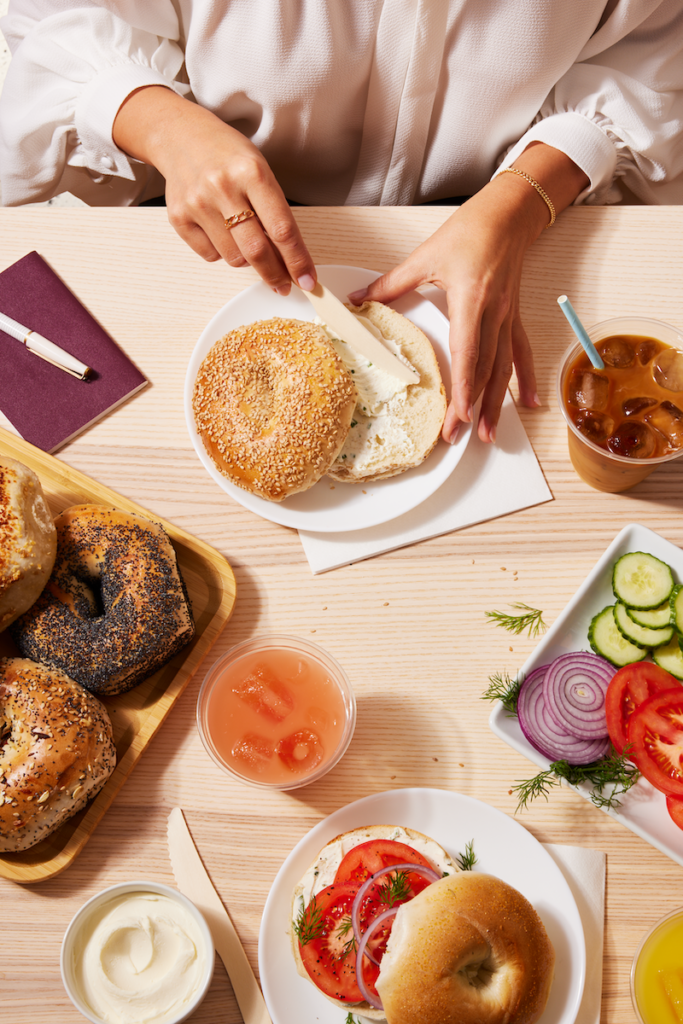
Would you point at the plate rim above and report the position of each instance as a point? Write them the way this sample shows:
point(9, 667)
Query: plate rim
point(278, 512)
point(314, 836)
point(506, 727)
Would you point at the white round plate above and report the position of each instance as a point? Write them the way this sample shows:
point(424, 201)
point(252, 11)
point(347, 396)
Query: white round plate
point(329, 506)
point(503, 847)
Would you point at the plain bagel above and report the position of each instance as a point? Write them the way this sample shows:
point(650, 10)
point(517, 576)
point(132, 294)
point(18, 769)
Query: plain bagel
point(469, 949)
point(56, 751)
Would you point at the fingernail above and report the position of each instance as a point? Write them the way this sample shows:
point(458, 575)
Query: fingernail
point(306, 282)
point(537, 400)
point(454, 434)
point(357, 297)
point(492, 435)
point(284, 290)
point(470, 414)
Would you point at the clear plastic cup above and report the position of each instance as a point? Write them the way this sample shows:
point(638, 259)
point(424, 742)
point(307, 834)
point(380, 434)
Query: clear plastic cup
point(604, 470)
point(657, 972)
point(228, 724)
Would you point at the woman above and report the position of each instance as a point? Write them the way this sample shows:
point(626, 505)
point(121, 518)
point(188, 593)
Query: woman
point(239, 104)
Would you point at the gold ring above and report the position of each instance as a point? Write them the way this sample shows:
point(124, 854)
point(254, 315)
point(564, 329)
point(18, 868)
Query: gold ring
point(238, 218)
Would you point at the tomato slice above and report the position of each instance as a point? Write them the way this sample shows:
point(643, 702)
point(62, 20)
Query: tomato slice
point(628, 689)
point(655, 729)
point(674, 805)
point(367, 858)
point(329, 954)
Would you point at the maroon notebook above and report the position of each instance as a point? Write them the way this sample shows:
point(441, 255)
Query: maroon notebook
point(46, 405)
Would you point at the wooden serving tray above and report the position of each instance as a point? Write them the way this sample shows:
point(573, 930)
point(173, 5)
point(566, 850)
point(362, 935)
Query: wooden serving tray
point(135, 715)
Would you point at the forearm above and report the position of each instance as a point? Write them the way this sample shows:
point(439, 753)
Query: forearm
point(152, 119)
point(560, 178)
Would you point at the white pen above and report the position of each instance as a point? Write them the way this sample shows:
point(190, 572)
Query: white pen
point(47, 350)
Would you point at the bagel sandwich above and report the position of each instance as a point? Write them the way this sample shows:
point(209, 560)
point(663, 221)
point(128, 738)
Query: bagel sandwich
point(459, 947)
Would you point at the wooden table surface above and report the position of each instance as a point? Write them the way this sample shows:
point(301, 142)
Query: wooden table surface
point(409, 627)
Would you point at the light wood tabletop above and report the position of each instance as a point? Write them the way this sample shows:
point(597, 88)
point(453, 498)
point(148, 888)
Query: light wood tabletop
point(409, 627)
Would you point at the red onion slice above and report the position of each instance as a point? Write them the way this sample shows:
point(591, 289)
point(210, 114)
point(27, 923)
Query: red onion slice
point(419, 869)
point(365, 991)
point(574, 690)
point(543, 731)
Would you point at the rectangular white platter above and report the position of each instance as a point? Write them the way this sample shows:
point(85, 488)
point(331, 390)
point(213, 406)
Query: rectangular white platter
point(643, 809)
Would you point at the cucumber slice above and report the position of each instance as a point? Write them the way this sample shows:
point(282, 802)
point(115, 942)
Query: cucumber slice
point(670, 658)
point(643, 636)
point(642, 581)
point(654, 618)
point(676, 608)
point(607, 641)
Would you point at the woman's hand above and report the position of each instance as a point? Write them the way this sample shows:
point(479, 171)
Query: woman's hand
point(476, 256)
point(213, 172)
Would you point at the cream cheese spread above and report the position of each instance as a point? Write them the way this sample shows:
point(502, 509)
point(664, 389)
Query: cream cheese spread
point(139, 959)
point(381, 398)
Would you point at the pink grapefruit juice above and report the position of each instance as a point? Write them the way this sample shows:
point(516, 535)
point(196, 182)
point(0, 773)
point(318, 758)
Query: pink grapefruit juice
point(275, 716)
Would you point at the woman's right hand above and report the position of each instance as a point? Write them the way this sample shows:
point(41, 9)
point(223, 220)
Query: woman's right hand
point(213, 172)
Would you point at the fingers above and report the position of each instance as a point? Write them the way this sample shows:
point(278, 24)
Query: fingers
point(524, 364)
point(403, 278)
point(270, 241)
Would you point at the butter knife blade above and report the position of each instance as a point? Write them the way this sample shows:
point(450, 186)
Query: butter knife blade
point(334, 313)
point(194, 882)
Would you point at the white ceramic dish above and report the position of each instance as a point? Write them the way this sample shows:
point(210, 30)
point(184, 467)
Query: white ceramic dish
point(331, 507)
point(643, 809)
point(80, 919)
point(503, 848)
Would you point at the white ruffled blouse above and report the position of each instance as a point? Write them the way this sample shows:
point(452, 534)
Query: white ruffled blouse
point(361, 102)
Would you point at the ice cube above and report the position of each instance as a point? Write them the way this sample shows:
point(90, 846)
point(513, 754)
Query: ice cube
point(254, 750)
point(588, 390)
point(667, 418)
point(632, 406)
point(633, 439)
point(596, 426)
point(265, 694)
point(646, 350)
point(617, 352)
point(668, 369)
point(301, 751)
point(302, 672)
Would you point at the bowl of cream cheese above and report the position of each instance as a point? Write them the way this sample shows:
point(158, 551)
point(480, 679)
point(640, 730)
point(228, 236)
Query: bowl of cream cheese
point(137, 952)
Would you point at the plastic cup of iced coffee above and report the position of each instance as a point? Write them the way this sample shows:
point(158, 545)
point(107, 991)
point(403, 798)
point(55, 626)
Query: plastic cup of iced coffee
point(627, 419)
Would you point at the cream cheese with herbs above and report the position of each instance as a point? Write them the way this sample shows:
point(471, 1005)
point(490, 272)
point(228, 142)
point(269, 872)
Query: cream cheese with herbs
point(381, 398)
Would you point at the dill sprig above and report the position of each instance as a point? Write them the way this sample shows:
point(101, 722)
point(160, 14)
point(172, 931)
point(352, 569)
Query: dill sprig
point(343, 929)
point(394, 889)
point(529, 619)
point(468, 859)
point(309, 924)
point(615, 771)
point(504, 689)
point(350, 1019)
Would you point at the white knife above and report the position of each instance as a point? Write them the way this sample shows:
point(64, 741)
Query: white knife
point(342, 321)
point(194, 882)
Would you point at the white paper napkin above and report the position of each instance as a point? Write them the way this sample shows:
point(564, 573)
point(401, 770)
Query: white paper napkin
point(489, 481)
point(584, 871)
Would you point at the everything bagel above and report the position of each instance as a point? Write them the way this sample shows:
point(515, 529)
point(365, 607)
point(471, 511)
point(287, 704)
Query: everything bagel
point(56, 751)
point(115, 608)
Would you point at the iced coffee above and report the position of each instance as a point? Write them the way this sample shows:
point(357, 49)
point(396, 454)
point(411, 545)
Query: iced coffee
point(626, 419)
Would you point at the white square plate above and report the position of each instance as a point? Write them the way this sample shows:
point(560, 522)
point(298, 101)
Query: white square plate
point(643, 808)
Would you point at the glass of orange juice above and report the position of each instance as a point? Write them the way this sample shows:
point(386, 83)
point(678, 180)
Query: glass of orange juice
point(657, 973)
point(277, 712)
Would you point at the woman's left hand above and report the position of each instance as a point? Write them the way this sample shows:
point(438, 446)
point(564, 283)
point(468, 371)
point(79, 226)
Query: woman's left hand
point(476, 256)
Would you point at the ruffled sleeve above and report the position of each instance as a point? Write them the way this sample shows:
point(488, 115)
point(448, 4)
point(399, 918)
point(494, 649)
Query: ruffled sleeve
point(618, 112)
point(70, 72)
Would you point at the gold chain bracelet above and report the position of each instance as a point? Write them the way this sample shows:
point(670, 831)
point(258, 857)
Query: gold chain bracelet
point(541, 191)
